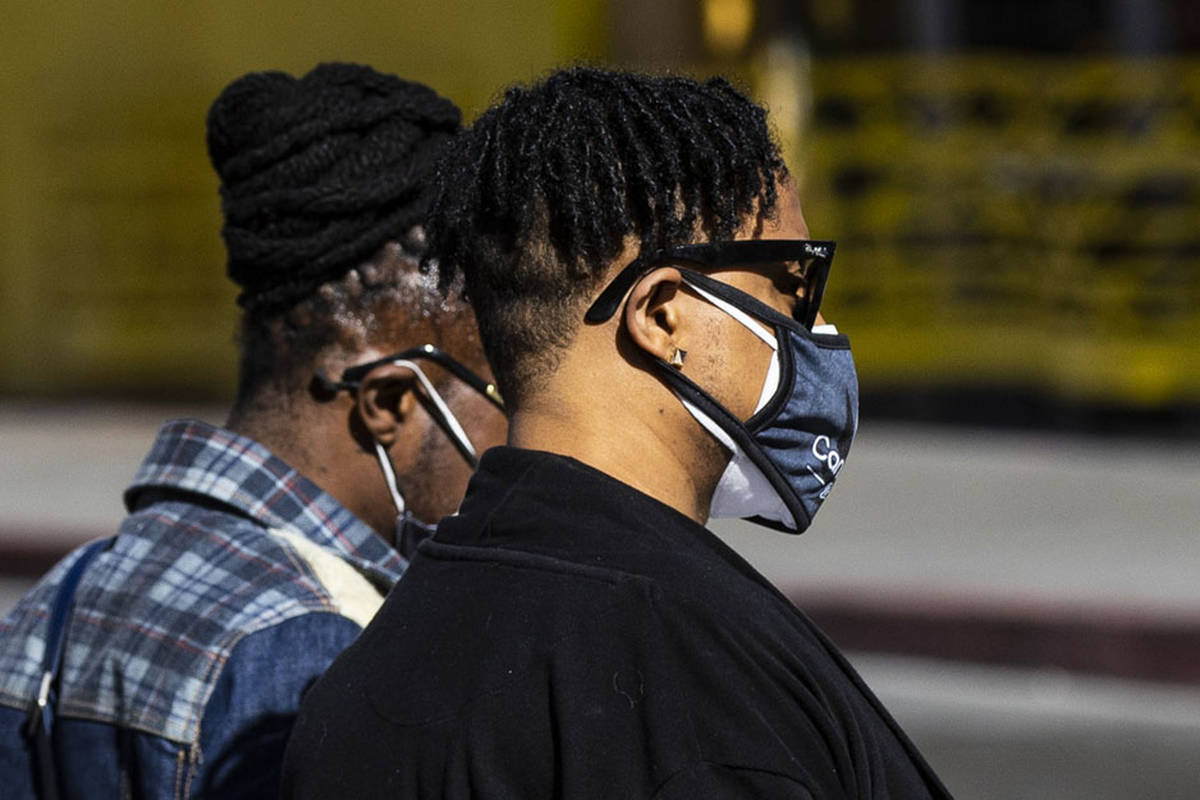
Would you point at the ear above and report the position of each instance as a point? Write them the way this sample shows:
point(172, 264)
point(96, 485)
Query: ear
point(387, 397)
point(652, 312)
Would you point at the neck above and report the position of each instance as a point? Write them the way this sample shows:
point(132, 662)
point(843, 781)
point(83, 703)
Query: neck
point(658, 449)
point(313, 439)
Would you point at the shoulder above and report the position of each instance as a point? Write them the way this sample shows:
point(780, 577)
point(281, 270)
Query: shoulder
point(228, 571)
point(524, 669)
point(22, 635)
point(161, 614)
point(468, 622)
point(249, 715)
point(289, 653)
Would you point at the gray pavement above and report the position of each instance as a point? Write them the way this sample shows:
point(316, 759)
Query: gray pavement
point(1004, 734)
point(954, 514)
point(62, 469)
point(1037, 519)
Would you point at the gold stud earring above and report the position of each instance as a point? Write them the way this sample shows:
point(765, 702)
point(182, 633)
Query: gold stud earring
point(677, 357)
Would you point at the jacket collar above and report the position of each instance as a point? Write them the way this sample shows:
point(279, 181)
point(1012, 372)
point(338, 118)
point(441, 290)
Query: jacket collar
point(201, 459)
point(553, 504)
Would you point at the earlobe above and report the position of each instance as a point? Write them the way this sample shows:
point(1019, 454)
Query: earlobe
point(386, 398)
point(652, 312)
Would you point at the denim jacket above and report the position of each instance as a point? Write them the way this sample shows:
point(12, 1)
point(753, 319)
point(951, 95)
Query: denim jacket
point(231, 585)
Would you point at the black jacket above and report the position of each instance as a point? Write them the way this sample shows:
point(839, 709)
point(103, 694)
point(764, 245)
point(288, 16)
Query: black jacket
point(567, 636)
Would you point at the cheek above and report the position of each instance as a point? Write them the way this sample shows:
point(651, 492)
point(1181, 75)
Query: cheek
point(753, 362)
point(734, 365)
point(441, 477)
point(440, 483)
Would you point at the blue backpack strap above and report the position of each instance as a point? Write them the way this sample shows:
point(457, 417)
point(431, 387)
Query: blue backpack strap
point(41, 715)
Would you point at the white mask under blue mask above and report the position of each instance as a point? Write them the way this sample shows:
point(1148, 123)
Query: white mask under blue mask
point(787, 455)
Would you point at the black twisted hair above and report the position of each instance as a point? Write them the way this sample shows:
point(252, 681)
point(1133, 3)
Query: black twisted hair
point(544, 190)
point(325, 182)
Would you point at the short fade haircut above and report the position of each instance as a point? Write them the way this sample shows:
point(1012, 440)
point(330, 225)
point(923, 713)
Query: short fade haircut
point(548, 186)
point(325, 182)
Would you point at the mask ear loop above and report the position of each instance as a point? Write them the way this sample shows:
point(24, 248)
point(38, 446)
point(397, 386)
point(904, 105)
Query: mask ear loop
point(753, 325)
point(410, 531)
point(389, 475)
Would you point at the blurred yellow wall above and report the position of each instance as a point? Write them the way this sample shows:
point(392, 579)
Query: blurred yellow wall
point(111, 265)
point(1013, 221)
point(986, 238)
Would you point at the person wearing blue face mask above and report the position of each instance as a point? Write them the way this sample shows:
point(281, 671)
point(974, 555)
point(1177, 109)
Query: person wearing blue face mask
point(786, 456)
point(648, 296)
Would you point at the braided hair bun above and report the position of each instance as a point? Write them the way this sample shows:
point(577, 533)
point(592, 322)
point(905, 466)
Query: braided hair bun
point(319, 172)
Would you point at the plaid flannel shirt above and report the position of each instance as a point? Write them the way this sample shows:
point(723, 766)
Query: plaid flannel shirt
point(231, 585)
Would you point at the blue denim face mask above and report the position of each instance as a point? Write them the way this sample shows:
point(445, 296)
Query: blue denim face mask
point(787, 456)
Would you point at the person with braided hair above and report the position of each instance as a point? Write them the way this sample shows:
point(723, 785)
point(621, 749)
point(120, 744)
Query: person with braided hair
point(169, 660)
point(649, 299)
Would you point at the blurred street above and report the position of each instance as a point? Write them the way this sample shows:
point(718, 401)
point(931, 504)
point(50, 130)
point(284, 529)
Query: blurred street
point(928, 514)
point(1032, 526)
point(1014, 191)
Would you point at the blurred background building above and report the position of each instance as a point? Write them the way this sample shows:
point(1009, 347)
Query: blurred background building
point(1015, 189)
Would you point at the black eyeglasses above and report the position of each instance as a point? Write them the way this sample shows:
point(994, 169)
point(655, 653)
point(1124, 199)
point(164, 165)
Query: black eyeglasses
point(811, 258)
point(352, 376)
